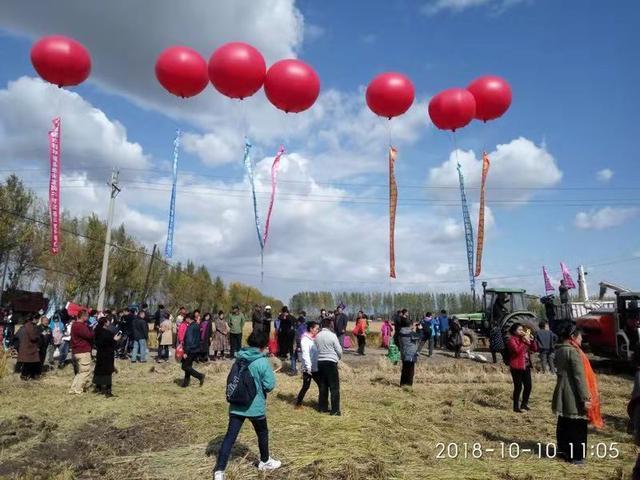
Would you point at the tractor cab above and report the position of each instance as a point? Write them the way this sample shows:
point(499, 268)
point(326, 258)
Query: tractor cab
point(501, 302)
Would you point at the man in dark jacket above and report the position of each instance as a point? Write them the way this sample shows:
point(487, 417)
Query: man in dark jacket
point(340, 324)
point(140, 333)
point(546, 342)
point(191, 352)
point(158, 317)
point(28, 355)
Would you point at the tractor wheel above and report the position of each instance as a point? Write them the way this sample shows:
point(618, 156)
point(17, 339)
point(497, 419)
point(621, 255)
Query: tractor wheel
point(469, 340)
point(528, 322)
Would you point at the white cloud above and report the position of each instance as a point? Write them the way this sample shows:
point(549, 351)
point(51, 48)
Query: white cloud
point(605, 175)
point(606, 217)
point(219, 148)
point(517, 170)
point(497, 6)
point(89, 138)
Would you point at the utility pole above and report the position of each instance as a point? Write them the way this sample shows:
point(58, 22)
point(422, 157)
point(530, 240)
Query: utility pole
point(115, 190)
point(146, 282)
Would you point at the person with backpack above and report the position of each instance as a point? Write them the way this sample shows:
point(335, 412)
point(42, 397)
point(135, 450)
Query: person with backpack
point(520, 345)
point(248, 383)
point(191, 352)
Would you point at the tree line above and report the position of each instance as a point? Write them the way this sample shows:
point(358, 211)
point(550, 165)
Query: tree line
point(134, 275)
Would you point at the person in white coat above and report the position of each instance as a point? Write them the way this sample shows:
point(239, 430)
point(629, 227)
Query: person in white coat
point(309, 360)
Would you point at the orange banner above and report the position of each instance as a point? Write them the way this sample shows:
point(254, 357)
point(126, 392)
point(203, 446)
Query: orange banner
point(393, 203)
point(480, 242)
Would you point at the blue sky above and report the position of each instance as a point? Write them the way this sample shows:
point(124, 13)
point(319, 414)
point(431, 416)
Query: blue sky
point(570, 65)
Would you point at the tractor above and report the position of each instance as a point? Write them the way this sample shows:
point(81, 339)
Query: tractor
point(500, 306)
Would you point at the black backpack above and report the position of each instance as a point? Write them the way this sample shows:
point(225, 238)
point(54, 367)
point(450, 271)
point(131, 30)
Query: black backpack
point(241, 387)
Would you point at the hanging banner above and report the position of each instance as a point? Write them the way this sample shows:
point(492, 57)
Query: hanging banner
point(54, 185)
point(548, 287)
point(249, 167)
point(468, 229)
point(485, 171)
point(393, 204)
point(168, 248)
point(566, 276)
point(274, 185)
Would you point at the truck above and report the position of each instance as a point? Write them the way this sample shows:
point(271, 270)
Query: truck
point(502, 307)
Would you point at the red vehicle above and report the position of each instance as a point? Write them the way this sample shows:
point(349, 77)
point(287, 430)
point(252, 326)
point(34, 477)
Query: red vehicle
point(613, 333)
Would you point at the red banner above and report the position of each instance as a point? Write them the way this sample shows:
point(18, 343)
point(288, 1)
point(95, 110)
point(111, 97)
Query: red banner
point(480, 242)
point(393, 203)
point(54, 185)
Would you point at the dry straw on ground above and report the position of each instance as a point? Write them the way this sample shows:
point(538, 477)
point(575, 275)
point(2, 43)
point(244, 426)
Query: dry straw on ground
point(155, 430)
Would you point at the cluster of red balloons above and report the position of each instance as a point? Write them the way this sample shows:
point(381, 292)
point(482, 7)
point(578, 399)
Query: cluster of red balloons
point(60, 60)
point(238, 70)
point(486, 98)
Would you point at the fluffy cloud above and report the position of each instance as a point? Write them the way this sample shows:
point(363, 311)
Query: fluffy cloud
point(497, 6)
point(89, 138)
point(517, 170)
point(606, 217)
point(605, 175)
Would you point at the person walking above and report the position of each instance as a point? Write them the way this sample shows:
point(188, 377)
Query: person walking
point(165, 339)
point(546, 341)
point(329, 354)
point(443, 323)
point(576, 400)
point(140, 332)
point(105, 341)
point(409, 340)
point(29, 350)
point(191, 352)
point(360, 331)
point(340, 324)
point(265, 381)
point(309, 355)
point(520, 345)
point(220, 336)
point(206, 332)
point(236, 326)
point(81, 344)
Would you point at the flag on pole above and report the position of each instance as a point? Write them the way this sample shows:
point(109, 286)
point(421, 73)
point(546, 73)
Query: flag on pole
point(566, 276)
point(168, 248)
point(480, 245)
point(54, 185)
point(548, 287)
point(393, 204)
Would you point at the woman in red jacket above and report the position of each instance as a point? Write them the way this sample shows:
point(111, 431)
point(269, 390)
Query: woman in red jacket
point(360, 331)
point(520, 344)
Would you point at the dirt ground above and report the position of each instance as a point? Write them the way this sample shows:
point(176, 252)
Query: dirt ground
point(155, 430)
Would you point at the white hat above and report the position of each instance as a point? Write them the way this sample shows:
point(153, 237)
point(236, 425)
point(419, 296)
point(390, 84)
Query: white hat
point(268, 307)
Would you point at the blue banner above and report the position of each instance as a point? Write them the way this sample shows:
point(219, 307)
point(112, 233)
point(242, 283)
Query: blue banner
point(468, 230)
point(168, 248)
point(249, 166)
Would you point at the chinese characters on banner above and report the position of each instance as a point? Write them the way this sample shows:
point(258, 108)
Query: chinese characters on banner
point(54, 185)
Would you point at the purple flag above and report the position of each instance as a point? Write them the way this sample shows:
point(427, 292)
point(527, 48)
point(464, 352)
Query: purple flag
point(548, 287)
point(566, 276)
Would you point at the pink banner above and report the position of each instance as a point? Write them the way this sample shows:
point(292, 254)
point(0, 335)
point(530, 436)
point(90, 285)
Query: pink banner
point(274, 185)
point(566, 276)
point(548, 287)
point(54, 185)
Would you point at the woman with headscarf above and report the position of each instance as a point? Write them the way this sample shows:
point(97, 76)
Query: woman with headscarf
point(576, 399)
point(220, 336)
point(105, 341)
point(28, 350)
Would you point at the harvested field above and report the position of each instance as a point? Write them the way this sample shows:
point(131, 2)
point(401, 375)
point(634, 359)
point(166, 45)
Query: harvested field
point(155, 430)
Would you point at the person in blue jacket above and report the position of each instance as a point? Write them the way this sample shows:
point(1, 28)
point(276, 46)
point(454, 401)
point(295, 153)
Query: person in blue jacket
point(265, 381)
point(443, 320)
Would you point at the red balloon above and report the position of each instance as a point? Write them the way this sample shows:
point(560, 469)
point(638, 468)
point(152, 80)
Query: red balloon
point(292, 85)
point(390, 94)
point(182, 71)
point(493, 97)
point(237, 70)
point(452, 109)
point(60, 60)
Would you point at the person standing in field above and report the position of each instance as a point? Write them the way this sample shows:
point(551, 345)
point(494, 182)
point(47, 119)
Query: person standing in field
point(45, 347)
point(140, 336)
point(105, 341)
point(165, 339)
point(191, 352)
point(340, 324)
point(496, 342)
point(520, 345)
point(409, 340)
point(309, 355)
point(206, 332)
point(260, 369)
point(456, 338)
point(220, 336)
point(576, 399)
point(386, 332)
point(81, 343)
point(443, 323)
point(329, 354)
point(236, 326)
point(301, 329)
point(28, 350)
point(546, 340)
point(286, 334)
point(360, 331)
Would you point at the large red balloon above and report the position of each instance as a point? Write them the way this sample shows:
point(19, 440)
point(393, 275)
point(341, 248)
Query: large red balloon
point(292, 85)
point(452, 109)
point(237, 70)
point(182, 71)
point(390, 94)
point(493, 97)
point(60, 60)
